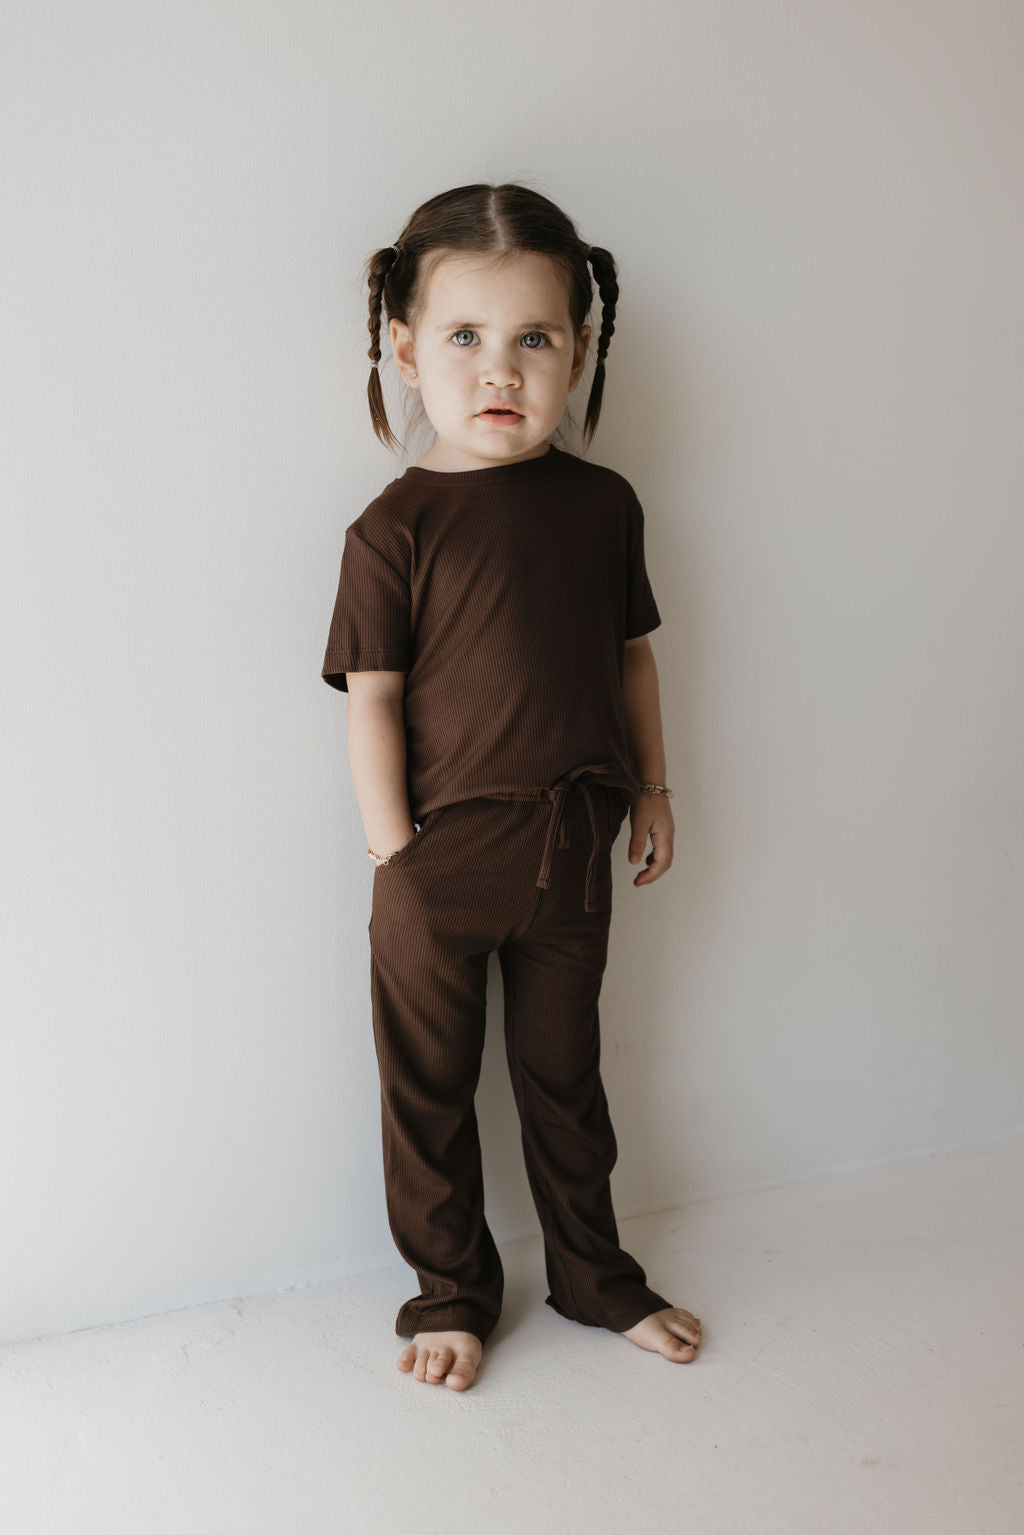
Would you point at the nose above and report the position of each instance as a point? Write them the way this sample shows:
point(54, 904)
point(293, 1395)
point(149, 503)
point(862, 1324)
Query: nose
point(500, 372)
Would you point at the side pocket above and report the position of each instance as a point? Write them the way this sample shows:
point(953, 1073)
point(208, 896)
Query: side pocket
point(430, 817)
point(400, 854)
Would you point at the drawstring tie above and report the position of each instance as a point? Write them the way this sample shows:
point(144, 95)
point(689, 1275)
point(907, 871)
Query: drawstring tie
point(558, 827)
point(557, 834)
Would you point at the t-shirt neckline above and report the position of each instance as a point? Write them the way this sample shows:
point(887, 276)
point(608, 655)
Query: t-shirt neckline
point(521, 469)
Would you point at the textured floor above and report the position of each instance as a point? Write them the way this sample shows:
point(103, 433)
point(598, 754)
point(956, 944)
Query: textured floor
point(862, 1372)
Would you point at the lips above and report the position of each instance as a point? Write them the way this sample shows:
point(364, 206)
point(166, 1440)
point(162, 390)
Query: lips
point(501, 411)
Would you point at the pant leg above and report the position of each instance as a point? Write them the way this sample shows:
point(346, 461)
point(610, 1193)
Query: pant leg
point(552, 976)
point(441, 906)
point(428, 989)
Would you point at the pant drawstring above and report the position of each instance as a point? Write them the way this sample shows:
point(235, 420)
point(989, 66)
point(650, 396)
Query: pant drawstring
point(558, 793)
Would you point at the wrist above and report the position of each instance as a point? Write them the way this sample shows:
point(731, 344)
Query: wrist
point(385, 841)
point(382, 857)
point(649, 789)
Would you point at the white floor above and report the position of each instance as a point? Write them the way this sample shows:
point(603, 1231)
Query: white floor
point(862, 1372)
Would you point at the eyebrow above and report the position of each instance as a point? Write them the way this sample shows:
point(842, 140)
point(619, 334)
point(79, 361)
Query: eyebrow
point(528, 325)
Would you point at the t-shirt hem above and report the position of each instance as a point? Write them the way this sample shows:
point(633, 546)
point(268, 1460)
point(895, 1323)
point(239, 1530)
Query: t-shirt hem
point(623, 779)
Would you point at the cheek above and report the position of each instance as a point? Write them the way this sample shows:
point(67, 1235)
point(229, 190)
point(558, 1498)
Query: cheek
point(547, 367)
point(453, 368)
point(440, 379)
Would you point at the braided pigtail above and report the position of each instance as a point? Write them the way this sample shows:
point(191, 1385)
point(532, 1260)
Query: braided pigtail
point(378, 269)
point(605, 274)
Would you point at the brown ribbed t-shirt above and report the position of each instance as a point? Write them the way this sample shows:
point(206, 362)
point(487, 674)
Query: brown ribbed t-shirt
point(506, 595)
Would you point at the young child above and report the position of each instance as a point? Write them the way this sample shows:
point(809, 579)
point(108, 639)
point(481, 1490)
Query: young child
point(490, 629)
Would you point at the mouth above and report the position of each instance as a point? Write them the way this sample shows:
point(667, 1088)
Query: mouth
point(500, 416)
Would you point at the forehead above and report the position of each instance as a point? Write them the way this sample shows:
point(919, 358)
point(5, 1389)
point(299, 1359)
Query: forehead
point(521, 283)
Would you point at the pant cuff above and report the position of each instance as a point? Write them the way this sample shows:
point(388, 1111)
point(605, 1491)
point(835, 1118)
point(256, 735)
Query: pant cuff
point(618, 1315)
point(460, 1316)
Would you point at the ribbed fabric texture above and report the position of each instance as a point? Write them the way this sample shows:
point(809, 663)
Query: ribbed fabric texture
point(506, 595)
point(463, 887)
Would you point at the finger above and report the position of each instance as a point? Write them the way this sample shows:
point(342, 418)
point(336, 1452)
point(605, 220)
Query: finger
point(637, 843)
point(659, 860)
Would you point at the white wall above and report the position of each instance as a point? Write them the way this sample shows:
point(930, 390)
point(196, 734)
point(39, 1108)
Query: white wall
point(815, 385)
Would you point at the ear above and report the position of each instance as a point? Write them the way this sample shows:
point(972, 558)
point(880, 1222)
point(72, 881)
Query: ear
point(402, 347)
point(579, 357)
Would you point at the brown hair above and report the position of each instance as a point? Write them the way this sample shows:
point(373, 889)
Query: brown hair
point(491, 219)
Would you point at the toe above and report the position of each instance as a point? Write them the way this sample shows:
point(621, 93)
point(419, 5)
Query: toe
point(682, 1347)
point(682, 1336)
point(439, 1362)
point(422, 1357)
point(462, 1372)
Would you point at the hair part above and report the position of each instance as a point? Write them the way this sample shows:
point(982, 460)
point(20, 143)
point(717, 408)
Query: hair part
point(486, 220)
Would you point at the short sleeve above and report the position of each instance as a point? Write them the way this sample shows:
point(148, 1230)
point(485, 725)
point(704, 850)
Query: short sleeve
point(641, 609)
point(371, 626)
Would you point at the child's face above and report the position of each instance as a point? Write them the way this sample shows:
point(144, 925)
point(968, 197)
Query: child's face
point(490, 332)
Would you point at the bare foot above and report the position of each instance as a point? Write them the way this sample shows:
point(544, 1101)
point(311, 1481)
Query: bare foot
point(433, 1356)
point(662, 1331)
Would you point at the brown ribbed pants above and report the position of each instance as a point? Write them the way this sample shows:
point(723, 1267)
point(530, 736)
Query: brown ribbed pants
point(465, 885)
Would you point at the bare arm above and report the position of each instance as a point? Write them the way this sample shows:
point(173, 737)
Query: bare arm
point(376, 754)
point(643, 710)
point(650, 815)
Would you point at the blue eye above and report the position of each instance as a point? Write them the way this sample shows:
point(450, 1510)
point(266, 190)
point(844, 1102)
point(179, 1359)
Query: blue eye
point(467, 332)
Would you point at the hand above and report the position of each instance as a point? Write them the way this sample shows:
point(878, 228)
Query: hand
point(650, 816)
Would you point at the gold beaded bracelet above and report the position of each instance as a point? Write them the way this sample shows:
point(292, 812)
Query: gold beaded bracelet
point(657, 788)
point(383, 858)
